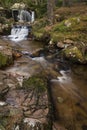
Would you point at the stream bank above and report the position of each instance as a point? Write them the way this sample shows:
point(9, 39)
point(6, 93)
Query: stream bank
point(68, 32)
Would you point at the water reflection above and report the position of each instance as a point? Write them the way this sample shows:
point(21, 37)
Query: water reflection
point(71, 89)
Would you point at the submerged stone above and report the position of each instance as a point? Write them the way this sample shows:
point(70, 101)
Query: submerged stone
point(60, 99)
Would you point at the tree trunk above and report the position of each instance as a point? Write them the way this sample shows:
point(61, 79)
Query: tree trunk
point(50, 11)
point(67, 2)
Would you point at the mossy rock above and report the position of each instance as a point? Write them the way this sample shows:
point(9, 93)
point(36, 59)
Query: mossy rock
point(5, 60)
point(39, 30)
point(61, 27)
point(38, 35)
point(74, 54)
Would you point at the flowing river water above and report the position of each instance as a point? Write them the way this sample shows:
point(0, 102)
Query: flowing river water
point(70, 98)
point(68, 89)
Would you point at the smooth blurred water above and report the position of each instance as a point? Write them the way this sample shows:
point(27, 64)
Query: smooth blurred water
point(19, 33)
point(71, 88)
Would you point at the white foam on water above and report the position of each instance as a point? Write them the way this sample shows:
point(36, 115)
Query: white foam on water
point(66, 83)
point(2, 103)
point(18, 33)
point(17, 127)
point(44, 63)
point(39, 59)
point(64, 78)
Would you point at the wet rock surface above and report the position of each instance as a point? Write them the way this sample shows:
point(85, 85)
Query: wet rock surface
point(24, 99)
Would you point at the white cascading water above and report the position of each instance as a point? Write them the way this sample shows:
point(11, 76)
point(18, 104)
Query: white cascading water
point(24, 15)
point(33, 17)
point(18, 33)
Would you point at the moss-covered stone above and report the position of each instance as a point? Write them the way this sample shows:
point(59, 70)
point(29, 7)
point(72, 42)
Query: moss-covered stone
point(74, 54)
point(5, 60)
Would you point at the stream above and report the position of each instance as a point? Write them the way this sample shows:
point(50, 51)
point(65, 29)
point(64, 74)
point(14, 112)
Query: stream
point(68, 86)
point(70, 98)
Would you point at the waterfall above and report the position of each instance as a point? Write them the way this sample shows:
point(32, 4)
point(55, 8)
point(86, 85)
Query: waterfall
point(25, 16)
point(32, 16)
point(19, 33)
point(22, 15)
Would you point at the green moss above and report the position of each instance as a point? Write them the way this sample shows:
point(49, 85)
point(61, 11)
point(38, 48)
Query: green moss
point(60, 31)
point(74, 20)
point(76, 31)
point(38, 34)
point(74, 54)
point(41, 23)
point(39, 28)
point(36, 82)
point(57, 37)
point(3, 60)
point(61, 28)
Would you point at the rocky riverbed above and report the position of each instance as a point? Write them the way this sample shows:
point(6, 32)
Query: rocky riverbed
point(24, 97)
point(39, 90)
